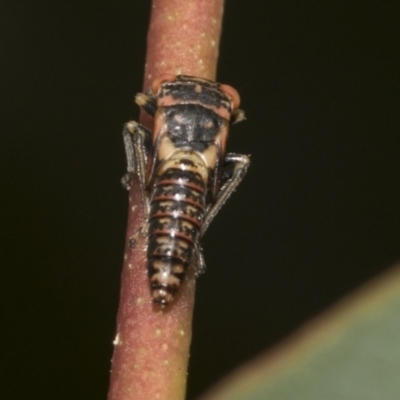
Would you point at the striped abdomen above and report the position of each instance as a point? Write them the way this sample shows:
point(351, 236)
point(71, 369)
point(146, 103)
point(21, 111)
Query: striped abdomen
point(176, 214)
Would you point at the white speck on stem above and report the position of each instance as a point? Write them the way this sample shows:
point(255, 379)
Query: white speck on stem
point(117, 341)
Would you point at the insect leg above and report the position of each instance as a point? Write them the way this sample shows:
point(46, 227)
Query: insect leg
point(237, 116)
point(234, 169)
point(200, 265)
point(137, 140)
point(142, 231)
point(147, 102)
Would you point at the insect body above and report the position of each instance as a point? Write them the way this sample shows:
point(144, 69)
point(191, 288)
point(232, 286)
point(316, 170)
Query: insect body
point(184, 172)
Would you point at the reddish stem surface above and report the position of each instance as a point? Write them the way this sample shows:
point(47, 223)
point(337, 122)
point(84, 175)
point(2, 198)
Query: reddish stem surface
point(152, 345)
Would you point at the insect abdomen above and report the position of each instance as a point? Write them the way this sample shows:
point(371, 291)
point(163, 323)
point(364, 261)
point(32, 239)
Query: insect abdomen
point(176, 214)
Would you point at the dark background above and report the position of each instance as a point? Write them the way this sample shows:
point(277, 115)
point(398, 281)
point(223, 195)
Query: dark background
point(317, 215)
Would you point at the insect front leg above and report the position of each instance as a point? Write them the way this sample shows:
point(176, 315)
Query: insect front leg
point(148, 102)
point(233, 171)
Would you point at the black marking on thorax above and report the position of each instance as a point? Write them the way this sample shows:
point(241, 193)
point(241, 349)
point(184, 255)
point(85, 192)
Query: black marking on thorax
point(192, 126)
point(205, 92)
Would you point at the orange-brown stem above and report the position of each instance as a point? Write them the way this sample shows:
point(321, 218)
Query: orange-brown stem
point(152, 345)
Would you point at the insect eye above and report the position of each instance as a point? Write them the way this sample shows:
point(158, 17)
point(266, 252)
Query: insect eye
point(155, 86)
point(232, 94)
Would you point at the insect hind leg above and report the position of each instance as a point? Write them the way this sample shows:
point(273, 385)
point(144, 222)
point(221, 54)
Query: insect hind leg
point(199, 264)
point(141, 232)
point(234, 169)
point(137, 140)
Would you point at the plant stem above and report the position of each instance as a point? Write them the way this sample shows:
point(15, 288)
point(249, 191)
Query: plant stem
point(152, 345)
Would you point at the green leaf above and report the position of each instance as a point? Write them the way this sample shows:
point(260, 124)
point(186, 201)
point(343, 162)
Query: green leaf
point(351, 352)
